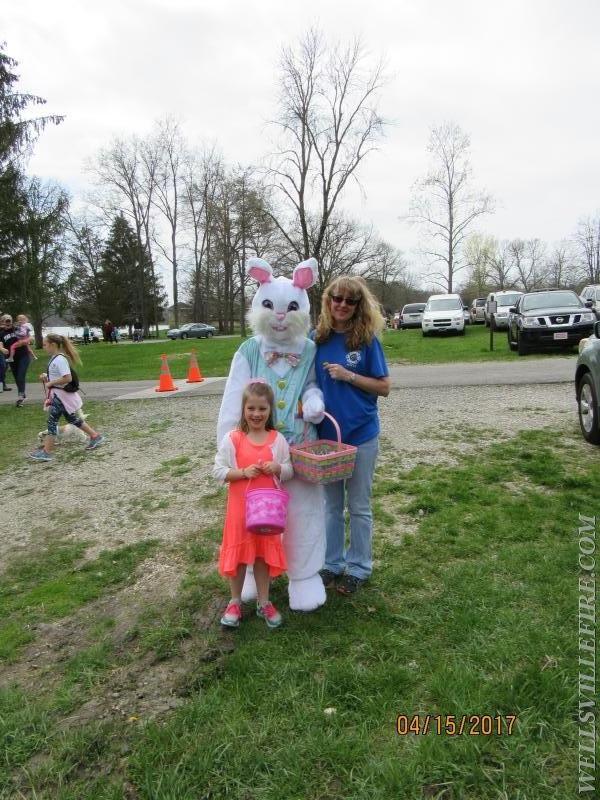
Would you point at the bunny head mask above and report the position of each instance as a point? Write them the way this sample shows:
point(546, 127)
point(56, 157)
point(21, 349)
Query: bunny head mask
point(280, 309)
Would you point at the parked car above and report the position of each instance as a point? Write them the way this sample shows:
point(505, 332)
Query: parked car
point(587, 387)
point(442, 313)
point(504, 300)
point(548, 318)
point(477, 310)
point(411, 316)
point(192, 330)
point(592, 293)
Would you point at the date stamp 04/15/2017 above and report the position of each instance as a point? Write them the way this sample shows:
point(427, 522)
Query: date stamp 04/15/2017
point(452, 725)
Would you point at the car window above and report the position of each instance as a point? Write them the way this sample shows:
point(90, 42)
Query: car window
point(480, 302)
point(508, 299)
point(443, 304)
point(412, 308)
point(549, 299)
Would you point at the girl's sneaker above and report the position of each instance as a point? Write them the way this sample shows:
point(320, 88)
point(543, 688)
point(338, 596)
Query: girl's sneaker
point(95, 442)
point(232, 616)
point(270, 615)
point(40, 455)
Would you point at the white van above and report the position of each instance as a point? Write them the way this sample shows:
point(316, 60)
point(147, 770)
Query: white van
point(504, 300)
point(442, 313)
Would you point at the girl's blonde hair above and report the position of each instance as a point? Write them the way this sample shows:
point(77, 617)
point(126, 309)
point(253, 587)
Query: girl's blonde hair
point(65, 344)
point(258, 388)
point(367, 320)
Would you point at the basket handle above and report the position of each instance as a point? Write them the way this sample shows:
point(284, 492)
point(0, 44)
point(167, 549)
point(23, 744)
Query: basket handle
point(276, 481)
point(338, 432)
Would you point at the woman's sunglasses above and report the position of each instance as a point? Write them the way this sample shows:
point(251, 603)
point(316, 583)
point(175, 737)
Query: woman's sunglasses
point(339, 299)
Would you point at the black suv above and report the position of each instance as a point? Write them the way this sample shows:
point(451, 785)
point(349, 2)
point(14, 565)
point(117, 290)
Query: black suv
point(549, 318)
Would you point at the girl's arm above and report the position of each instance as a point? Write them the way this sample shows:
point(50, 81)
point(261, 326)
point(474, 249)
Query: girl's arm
point(225, 468)
point(281, 458)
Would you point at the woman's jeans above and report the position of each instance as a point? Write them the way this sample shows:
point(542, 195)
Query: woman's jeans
point(19, 370)
point(357, 559)
point(2, 371)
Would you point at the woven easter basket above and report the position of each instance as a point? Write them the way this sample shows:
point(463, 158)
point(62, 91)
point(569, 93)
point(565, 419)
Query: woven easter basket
point(323, 461)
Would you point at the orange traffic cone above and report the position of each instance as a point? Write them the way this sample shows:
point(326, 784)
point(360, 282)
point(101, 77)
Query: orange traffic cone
point(165, 381)
point(194, 374)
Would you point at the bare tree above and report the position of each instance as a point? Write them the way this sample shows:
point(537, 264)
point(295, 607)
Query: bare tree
point(559, 269)
point(328, 121)
point(126, 178)
point(587, 240)
point(499, 267)
point(444, 205)
point(480, 251)
point(527, 260)
point(165, 155)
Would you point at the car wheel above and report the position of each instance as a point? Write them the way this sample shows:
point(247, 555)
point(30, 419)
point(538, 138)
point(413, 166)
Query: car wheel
point(461, 332)
point(209, 334)
point(425, 333)
point(587, 406)
point(184, 335)
point(522, 348)
point(512, 346)
point(486, 322)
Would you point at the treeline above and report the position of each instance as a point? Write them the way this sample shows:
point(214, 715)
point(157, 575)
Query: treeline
point(162, 206)
point(530, 264)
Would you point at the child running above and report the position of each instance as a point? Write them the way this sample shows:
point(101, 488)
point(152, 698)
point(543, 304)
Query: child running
point(24, 332)
point(59, 402)
point(254, 451)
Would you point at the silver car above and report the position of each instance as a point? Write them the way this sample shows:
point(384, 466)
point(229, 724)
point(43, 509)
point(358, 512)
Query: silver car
point(504, 301)
point(587, 387)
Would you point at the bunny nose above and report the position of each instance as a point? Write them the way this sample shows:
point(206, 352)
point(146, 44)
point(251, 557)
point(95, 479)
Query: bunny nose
point(280, 316)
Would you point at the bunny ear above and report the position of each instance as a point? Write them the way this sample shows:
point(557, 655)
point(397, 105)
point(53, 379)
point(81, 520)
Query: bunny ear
point(306, 274)
point(260, 270)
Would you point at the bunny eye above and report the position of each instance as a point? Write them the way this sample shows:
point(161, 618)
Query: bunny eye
point(293, 306)
point(267, 304)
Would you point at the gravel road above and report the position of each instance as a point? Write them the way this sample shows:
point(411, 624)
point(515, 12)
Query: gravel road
point(153, 478)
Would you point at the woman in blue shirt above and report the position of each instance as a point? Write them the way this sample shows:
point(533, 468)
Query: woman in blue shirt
point(352, 373)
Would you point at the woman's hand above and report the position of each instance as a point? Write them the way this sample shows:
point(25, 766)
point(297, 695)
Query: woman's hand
point(339, 373)
point(44, 377)
point(3, 350)
point(271, 468)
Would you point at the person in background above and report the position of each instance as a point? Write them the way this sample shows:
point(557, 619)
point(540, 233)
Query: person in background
point(86, 333)
point(352, 374)
point(3, 386)
point(24, 333)
point(60, 402)
point(107, 330)
point(22, 357)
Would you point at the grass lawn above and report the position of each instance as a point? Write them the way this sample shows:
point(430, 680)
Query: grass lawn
point(122, 362)
point(472, 610)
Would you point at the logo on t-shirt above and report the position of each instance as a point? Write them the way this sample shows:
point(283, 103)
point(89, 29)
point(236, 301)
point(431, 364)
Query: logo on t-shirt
point(353, 358)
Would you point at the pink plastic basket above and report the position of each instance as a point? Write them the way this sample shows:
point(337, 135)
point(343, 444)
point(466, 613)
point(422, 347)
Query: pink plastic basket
point(324, 461)
point(266, 509)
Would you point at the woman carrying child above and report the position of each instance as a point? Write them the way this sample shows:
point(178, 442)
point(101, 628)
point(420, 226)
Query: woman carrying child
point(59, 402)
point(255, 452)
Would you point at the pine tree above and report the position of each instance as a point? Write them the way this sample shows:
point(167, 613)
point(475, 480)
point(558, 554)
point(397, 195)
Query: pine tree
point(120, 293)
point(17, 136)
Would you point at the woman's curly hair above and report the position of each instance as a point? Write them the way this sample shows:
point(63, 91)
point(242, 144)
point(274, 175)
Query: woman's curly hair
point(367, 320)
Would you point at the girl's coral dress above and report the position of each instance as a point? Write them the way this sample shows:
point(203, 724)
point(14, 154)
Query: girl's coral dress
point(241, 546)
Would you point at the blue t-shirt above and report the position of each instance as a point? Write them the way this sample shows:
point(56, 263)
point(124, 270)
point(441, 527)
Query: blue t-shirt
point(354, 410)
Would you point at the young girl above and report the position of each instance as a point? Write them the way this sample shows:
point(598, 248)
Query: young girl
point(254, 451)
point(59, 402)
point(24, 333)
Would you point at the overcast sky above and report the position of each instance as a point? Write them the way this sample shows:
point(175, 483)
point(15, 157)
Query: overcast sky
point(521, 77)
